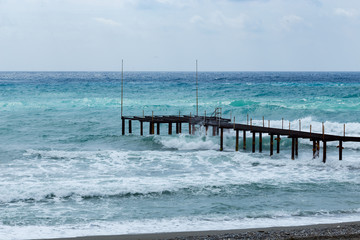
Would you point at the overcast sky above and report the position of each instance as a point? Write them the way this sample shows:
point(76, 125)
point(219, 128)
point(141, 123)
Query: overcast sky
point(169, 35)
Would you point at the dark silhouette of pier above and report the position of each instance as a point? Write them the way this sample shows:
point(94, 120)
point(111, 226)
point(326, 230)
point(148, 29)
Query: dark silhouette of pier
point(218, 124)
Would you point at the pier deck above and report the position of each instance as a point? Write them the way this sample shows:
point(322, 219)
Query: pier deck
point(219, 124)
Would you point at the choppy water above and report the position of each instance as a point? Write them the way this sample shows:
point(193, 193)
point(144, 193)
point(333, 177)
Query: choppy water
point(66, 170)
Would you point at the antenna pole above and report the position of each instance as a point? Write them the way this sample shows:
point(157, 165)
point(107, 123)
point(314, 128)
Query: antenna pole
point(122, 85)
point(197, 90)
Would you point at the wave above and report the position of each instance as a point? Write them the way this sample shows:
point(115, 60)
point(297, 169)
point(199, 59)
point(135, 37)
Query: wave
point(240, 191)
point(176, 224)
point(188, 142)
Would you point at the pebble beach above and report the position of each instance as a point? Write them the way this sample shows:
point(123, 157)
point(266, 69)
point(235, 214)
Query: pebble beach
point(350, 230)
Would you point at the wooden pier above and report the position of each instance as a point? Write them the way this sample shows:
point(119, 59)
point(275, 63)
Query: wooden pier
point(218, 125)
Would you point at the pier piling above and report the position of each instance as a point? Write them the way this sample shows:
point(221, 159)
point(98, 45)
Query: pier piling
point(244, 140)
point(141, 128)
point(340, 150)
point(318, 145)
point(271, 144)
point(170, 128)
point(278, 144)
point(324, 151)
point(158, 128)
point(190, 125)
point(253, 141)
point(221, 139)
point(151, 128)
point(292, 148)
point(260, 142)
point(314, 148)
point(123, 125)
point(130, 127)
point(237, 141)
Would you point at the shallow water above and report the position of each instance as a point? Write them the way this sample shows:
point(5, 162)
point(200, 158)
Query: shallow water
point(68, 171)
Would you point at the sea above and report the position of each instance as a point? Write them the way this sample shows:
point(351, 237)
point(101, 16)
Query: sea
point(66, 170)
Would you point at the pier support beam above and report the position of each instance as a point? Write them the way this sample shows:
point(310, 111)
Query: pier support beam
point(141, 128)
point(158, 128)
point(278, 144)
point(292, 148)
point(296, 147)
point(271, 145)
point(314, 148)
point(253, 141)
point(340, 150)
point(214, 130)
point(206, 129)
point(221, 139)
point(123, 125)
point(260, 142)
point(318, 145)
point(189, 128)
point(193, 129)
point(324, 152)
point(130, 127)
point(151, 128)
point(244, 140)
point(177, 128)
point(170, 128)
point(237, 141)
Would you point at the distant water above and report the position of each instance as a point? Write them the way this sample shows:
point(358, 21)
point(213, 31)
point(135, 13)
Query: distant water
point(66, 170)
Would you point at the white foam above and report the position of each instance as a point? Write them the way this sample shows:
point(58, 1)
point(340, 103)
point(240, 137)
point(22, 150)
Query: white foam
point(99, 173)
point(332, 128)
point(200, 223)
point(185, 142)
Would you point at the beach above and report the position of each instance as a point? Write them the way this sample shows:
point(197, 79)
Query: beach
point(345, 231)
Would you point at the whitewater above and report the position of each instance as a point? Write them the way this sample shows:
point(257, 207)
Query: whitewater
point(67, 171)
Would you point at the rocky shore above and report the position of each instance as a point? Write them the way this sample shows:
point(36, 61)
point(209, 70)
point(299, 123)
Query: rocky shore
point(342, 231)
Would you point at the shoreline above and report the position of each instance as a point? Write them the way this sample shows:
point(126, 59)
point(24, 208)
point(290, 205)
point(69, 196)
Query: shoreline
point(344, 230)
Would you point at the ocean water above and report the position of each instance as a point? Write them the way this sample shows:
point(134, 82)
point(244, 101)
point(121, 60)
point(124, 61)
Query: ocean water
point(66, 170)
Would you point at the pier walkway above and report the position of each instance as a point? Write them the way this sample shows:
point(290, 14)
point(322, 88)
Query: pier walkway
point(218, 125)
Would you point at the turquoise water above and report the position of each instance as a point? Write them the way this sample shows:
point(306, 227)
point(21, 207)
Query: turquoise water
point(66, 170)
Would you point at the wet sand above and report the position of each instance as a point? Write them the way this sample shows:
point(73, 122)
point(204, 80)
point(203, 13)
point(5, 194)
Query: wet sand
point(349, 230)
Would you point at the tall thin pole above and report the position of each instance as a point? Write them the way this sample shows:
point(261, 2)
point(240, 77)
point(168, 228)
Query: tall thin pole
point(197, 88)
point(122, 85)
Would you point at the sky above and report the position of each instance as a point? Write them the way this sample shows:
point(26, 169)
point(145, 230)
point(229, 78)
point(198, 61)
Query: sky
point(169, 35)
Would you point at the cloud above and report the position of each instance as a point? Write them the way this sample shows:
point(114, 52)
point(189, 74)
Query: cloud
point(288, 22)
point(220, 18)
point(350, 13)
point(196, 19)
point(107, 21)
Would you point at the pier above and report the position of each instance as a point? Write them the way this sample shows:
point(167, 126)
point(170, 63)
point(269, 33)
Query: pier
point(218, 124)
